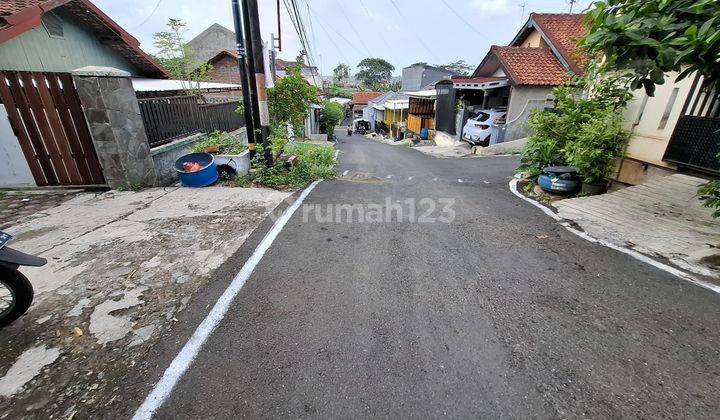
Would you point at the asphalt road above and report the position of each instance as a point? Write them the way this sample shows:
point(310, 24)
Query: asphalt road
point(500, 313)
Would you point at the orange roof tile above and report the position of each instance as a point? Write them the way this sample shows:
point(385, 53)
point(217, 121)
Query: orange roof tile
point(564, 31)
point(362, 98)
point(531, 66)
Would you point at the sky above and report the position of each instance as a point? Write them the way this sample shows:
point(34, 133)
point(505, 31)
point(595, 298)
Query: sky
point(401, 31)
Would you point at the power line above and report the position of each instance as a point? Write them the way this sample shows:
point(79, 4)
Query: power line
point(382, 38)
point(342, 9)
point(353, 46)
point(472, 27)
point(417, 37)
point(150, 15)
point(330, 38)
point(299, 25)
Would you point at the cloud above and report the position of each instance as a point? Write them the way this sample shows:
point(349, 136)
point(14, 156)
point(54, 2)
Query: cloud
point(490, 7)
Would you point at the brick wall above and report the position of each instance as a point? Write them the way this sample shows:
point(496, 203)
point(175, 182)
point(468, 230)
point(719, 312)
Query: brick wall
point(225, 71)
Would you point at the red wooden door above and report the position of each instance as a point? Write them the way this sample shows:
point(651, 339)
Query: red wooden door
point(48, 121)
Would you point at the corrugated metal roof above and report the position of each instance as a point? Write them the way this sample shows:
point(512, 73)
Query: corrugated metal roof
point(158, 85)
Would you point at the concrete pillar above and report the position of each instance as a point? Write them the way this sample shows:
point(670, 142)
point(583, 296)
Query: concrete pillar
point(113, 115)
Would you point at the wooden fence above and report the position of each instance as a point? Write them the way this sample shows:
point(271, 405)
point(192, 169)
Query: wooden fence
point(46, 117)
point(172, 117)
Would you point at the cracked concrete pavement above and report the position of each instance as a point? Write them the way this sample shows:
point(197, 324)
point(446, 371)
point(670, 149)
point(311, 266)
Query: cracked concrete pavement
point(121, 266)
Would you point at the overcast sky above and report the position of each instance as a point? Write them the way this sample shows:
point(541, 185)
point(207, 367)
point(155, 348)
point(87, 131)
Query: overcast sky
point(400, 31)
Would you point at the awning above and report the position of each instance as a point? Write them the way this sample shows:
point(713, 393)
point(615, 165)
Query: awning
point(394, 104)
point(424, 94)
point(479, 84)
point(158, 85)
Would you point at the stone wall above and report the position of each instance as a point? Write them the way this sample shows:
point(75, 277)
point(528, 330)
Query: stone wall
point(117, 129)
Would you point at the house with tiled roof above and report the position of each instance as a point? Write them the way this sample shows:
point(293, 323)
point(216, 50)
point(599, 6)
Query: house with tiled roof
point(309, 73)
point(48, 135)
point(360, 101)
point(63, 35)
point(518, 77)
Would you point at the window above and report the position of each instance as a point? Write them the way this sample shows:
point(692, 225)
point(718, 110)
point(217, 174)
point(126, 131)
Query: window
point(53, 25)
point(641, 111)
point(668, 109)
point(480, 116)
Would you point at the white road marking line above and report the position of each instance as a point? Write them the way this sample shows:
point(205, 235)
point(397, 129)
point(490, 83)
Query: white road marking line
point(486, 182)
point(346, 172)
point(460, 180)
point(435, 179)
point(638, 256)
point(410, 178)
point(389, 176)
point(190, 350)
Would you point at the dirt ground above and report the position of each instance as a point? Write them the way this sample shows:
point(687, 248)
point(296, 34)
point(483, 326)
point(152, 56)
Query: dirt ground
point(121, 266)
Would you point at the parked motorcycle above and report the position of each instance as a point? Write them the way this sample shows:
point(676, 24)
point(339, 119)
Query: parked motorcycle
point(16, 292)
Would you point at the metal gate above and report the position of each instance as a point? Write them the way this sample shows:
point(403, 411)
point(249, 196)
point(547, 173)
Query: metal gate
point(695, 142)
point(48, 121)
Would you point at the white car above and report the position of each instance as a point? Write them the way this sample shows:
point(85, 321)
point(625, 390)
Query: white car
point(478, 126)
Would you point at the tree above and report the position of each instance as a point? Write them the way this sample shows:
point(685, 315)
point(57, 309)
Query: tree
point(177, 58)
point(341, 73)
point(460, 67)
point(652, 37)
point(291, 97)
point(300, 59)
point(331, 116)
point(374, 70)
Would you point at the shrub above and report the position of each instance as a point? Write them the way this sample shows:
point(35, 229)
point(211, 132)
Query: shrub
point(227, 143)
point(290, 98)
point(598, 142)
point(710, 194)
point(313, 163)
point(331, 116)
point(584, 129)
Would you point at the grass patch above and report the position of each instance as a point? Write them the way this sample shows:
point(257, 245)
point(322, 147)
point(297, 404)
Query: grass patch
point(313, 162)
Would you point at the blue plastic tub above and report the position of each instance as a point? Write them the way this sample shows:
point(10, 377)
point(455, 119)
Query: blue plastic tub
point(202, 178)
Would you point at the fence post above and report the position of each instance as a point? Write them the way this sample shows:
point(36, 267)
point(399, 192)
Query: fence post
point(118, 134)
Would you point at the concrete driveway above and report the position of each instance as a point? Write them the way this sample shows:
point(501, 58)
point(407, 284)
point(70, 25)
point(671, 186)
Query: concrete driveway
point(122, 265)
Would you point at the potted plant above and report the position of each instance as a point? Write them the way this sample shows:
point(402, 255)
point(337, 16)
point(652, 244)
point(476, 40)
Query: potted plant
point(228, 151)
point(598, 143)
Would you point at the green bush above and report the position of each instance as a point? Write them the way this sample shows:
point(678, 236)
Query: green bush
point(598, 142)
point(710, 194)
point(583, 130)
point(313, 163)
point(227, 143)
point(331, 116)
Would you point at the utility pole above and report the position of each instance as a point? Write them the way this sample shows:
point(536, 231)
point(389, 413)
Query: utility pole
point(279, 37)
point(259, 63)
point(247, 105)
point(572, 3)
point(273, 55)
